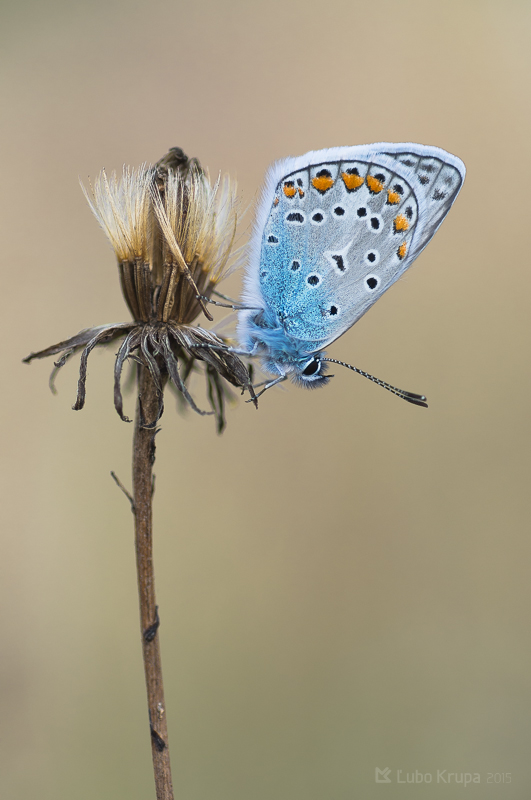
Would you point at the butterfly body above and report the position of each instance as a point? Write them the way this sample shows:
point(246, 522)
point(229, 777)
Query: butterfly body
point(334, 230)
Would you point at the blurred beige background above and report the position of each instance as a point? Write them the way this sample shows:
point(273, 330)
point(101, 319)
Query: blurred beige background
point(343, 578)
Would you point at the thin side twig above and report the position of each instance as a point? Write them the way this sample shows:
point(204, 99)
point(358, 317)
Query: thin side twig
point(120, 485)
point(148, 411)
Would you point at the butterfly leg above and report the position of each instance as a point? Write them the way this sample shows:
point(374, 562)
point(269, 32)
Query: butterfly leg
point(234, 305)
point(238, 351)
point(224, 297)
point(269, 384)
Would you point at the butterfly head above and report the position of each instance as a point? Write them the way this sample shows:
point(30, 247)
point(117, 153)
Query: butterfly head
point(310, 372)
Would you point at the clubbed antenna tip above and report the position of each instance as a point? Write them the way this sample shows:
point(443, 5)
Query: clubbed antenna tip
point(410, 397)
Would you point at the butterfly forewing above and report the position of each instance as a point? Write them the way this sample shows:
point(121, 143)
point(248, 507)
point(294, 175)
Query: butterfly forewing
point(340, 231)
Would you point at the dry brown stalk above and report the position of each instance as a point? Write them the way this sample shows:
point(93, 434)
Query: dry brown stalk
point(143, 460)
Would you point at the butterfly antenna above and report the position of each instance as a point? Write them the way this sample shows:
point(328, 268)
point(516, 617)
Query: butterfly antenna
point(416, 399)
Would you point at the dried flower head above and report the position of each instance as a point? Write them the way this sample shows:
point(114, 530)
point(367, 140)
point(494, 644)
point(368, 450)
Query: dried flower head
point(173, 233)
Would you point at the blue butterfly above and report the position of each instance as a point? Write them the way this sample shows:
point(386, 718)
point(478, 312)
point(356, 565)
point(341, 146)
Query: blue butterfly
point(334, 230)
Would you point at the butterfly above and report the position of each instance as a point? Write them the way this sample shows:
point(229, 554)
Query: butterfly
point(334, 230)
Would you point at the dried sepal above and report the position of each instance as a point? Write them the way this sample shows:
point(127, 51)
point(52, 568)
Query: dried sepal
point(206, 346)
point(161, 348)
point(79, 340)
point(129, 344)
point(172, 365)
point(216, 394)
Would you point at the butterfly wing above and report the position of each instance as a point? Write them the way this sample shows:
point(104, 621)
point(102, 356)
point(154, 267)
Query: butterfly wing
point(336, 228)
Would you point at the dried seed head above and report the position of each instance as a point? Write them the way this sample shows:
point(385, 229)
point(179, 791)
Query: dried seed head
point(172, 232)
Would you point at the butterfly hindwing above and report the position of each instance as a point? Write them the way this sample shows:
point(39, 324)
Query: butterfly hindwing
point(339, 227)
point(438, 179)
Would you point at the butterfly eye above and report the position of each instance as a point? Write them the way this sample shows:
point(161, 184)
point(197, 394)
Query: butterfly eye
point(312, 367)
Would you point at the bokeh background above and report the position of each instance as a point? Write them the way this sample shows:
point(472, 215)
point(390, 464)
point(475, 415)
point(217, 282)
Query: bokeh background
point(343, 578)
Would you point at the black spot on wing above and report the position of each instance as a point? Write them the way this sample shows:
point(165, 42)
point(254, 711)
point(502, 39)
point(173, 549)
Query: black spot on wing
point(296, 217)
point(340, 263)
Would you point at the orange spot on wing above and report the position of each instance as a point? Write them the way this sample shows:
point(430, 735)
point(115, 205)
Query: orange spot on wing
point(352, 181)
point(374, 184)
point(393, 198)
point(402, 251)
point(400, 223)
point(301, 193)
point(275, 201)
point(323, 183)
point(289, 189)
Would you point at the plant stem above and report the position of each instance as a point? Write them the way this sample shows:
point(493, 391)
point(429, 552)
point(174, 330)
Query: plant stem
point(143, 460)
